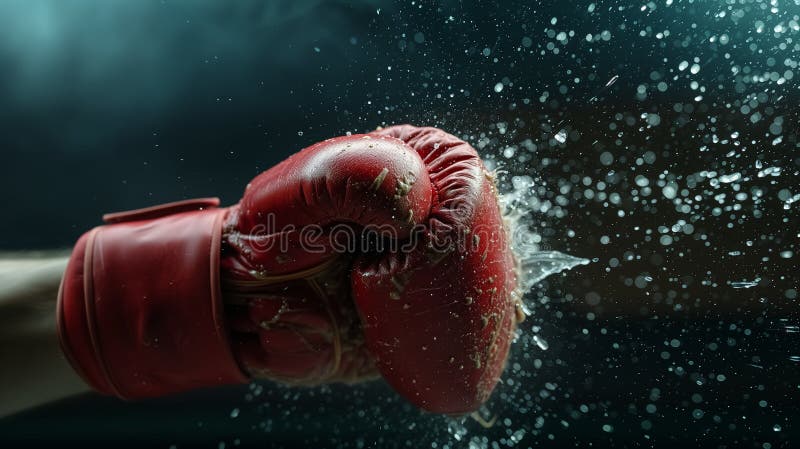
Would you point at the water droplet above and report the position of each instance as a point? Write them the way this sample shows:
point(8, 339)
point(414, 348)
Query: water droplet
point(541, 343)
point(769, 171)
point(745, 284)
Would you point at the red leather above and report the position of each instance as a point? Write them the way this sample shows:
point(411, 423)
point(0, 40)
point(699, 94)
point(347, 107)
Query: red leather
point(154, 304)
point(140, 312)
point(347, 183)
point(439, 319)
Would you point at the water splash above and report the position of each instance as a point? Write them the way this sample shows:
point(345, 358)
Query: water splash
point(745, 284)
point(538, 265)
point(535, 264)
point(541, 343)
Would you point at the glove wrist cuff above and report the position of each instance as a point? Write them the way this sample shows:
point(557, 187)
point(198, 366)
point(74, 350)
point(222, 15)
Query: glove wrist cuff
point(140, 312)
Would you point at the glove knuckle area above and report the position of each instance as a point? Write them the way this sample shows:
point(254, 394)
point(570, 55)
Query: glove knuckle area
point(440, 319)
point(455, 169)
point(360, 179)
point(376, 180)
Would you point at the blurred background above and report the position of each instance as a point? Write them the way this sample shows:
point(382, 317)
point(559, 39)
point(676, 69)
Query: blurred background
point(658, 139)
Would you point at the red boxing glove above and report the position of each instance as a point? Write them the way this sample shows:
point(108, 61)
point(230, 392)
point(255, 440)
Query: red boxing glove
point(285, 286)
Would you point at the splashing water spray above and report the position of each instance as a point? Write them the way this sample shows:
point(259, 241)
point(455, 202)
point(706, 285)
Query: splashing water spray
point(535, 264)
point(519, 204)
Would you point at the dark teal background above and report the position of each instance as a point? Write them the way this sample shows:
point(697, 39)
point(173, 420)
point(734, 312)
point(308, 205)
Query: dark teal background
point(114, 105)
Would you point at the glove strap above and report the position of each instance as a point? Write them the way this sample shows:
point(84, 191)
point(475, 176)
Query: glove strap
point(140, 312)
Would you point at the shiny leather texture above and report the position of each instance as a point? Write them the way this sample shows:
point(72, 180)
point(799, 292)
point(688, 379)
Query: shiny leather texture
point(140, 312)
